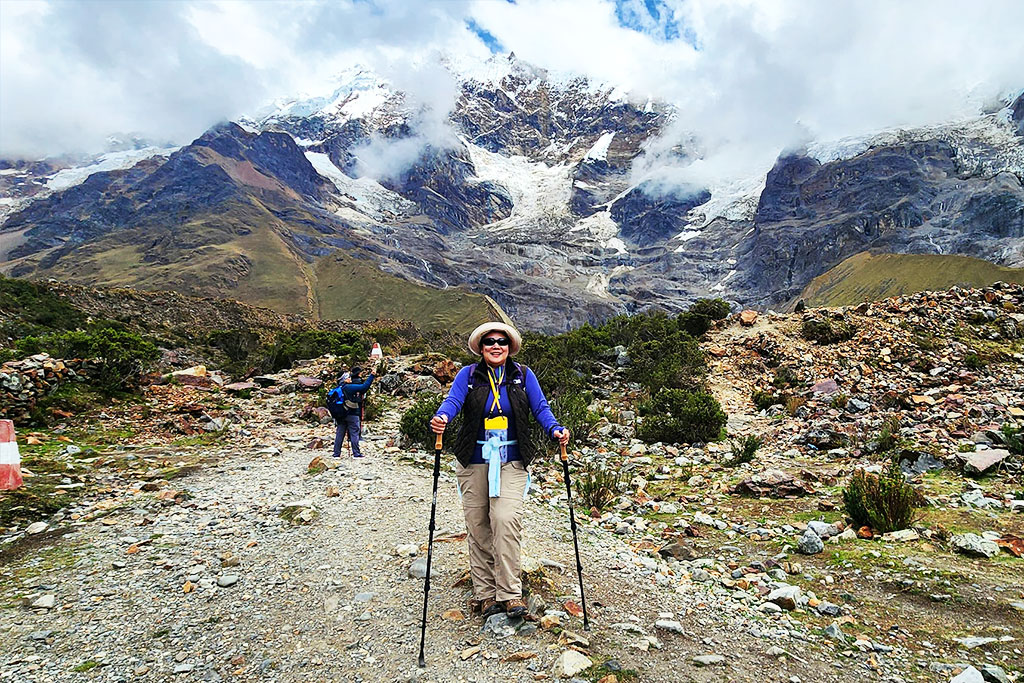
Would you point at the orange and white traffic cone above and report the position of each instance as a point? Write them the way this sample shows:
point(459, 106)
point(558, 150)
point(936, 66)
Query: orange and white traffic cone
point(10, 461)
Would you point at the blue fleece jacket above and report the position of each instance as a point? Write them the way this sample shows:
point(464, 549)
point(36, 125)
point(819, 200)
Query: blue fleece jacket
point(452, 404)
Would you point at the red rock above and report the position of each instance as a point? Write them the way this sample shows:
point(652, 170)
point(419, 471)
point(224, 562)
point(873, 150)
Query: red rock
point(748, 318)
point(865, 532)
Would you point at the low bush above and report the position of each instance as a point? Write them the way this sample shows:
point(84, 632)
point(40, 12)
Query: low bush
point(124, 356)
point(827, 330)
point(715, 309)
point(597, 486)
point(743, 450)
point(785, 377)
point(972, 361)
point(287, 348)
point(794, 404)
point(415, 422)
point(885, 502)
point(673, 361)
point(765, 399)
point(677, 416)
point(1013, 438)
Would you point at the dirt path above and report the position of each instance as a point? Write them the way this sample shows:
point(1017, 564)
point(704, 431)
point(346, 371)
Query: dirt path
point(331, 600)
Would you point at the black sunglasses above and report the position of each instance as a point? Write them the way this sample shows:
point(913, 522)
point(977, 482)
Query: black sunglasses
point(491, 341)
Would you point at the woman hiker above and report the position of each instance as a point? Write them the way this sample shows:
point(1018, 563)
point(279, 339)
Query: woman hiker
point(494, 453)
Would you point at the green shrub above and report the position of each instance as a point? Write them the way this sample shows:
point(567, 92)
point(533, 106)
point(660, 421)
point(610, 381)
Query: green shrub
point(676, 416)
point(972, 361)
point(765, 399)
point(571, 411)
point(743, 450)
point(715, 309)
point(785, 377)
point(674, 361)
point(827, 330)
point(597, 485)
point(885, 502)
point(1013, 438)
point(840, 401)
point(34, 309)
point(124, 355)
point(694, 324)
point(415, 422)
point(292, 346)
point(237, 345)
point(374, 406)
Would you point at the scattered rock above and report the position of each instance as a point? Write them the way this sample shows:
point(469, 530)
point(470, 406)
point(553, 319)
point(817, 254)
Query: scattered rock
point(810, 543)
point(669, 625)
point(418, 569)
point(980, 462)
point(570, 663)
point(969, 675)
point(708, 660)
point(974, 545)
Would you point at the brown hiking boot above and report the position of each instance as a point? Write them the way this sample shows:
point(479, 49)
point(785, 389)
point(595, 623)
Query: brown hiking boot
point(515, 607)
point(490, 607)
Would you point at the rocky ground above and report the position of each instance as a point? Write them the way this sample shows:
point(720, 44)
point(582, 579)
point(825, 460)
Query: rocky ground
point(195, 536)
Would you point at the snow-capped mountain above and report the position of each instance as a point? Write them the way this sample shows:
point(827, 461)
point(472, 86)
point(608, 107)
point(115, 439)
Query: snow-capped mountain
point(522, 192)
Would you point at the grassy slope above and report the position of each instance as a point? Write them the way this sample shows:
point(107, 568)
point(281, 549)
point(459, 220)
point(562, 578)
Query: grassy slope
point(216, 268)
point(349, 288)
point(869, 277)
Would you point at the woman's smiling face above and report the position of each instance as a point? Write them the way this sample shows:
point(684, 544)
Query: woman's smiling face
point(492, 349)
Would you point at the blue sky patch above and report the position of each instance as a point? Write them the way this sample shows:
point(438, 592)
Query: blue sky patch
point(492, 43)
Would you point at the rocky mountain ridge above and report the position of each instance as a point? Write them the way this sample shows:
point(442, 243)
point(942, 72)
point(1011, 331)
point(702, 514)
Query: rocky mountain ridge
point(528, 198)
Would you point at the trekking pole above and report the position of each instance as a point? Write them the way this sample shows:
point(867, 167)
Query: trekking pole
point(575, 540)
point(430, 548)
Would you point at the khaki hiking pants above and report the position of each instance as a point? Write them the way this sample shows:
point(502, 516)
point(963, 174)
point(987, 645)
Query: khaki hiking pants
point(494, 528)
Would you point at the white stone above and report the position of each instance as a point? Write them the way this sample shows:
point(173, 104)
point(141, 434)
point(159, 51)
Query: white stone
point(570, 663)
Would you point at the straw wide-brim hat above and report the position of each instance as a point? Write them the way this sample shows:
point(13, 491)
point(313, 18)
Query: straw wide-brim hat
point(515, 341)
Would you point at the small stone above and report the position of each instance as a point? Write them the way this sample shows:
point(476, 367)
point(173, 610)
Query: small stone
point(407, 550)
point(974, 641)
point(45, 602)
point(418, 569)
point(570, 663)
point(708, 660)
point(227, 580)
point(469, 652)
point(36, 528)
point(810, 543)
point(501, 625)
point(669, 625)
point(994, 674)
point(832, 631)
point(969, 675)
point(973, 545)
point(901, 536)
point(184, 668)
point(786, 597)
point(362, 598)
point(980, 462)
point(748, 317)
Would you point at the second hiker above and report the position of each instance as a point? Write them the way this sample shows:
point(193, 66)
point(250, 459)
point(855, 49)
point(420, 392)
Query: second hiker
point(350, 420)
point(494, 452)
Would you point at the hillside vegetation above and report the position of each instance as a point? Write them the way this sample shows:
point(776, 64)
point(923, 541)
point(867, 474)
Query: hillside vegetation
point(871, 277)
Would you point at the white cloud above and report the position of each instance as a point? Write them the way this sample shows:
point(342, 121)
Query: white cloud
point(764, 77)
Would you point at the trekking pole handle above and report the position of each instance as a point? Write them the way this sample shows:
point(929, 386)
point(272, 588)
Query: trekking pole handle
point(437, 442)
point(565, 457)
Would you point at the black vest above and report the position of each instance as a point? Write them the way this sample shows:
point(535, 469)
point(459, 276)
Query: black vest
point(475, 405)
